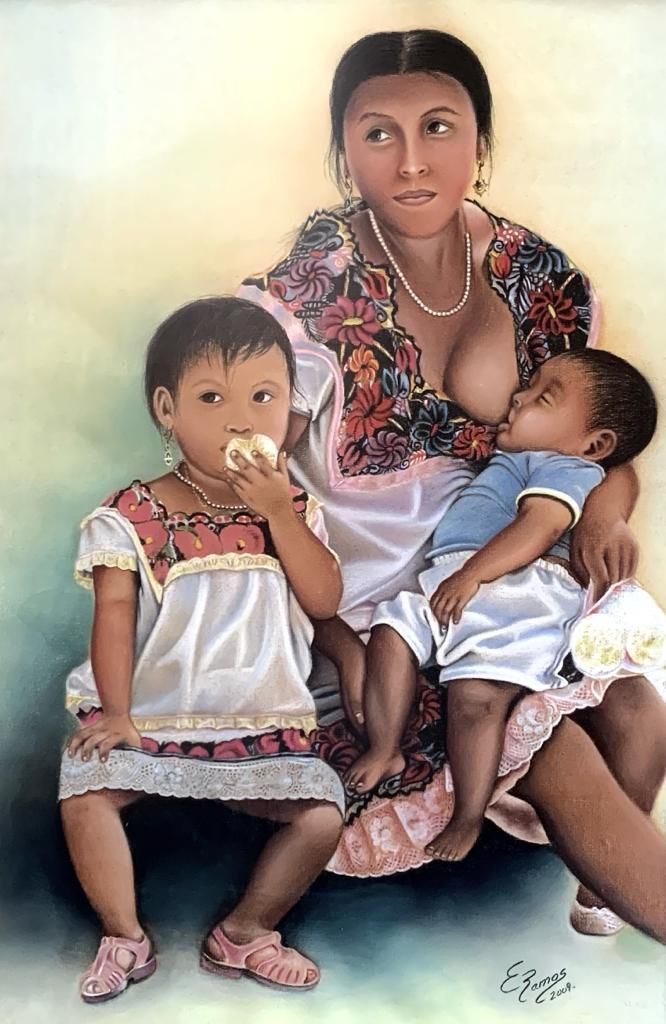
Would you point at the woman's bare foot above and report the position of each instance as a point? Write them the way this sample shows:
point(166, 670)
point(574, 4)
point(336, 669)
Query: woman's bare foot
point(587, 898)
point(456, 840)
point(371, 768)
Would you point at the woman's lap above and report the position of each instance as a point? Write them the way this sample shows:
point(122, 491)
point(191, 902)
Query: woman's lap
point(387, 831)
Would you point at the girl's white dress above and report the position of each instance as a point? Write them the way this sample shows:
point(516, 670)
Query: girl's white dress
point(222, 657)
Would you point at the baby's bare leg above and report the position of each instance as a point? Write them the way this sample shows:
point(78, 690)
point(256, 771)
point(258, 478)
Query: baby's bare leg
point(102, 859)
point(476, 717)
point(390, 688)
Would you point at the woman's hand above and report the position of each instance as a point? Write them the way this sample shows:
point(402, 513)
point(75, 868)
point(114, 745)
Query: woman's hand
point(263, 489)
point(109, 732)
point(603, 551)
point(452, 595)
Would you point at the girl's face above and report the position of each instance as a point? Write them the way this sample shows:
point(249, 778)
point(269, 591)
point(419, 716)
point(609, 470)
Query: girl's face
point(411, 144)
point(214, 404)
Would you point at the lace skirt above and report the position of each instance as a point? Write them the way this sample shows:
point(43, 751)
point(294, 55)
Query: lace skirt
point(279, 764)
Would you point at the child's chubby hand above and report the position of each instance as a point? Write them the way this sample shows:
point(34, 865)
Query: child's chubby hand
point(452, 595)
point(264, 489)
point(108, 732)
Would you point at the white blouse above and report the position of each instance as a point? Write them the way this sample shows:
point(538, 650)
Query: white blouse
point(223, 644)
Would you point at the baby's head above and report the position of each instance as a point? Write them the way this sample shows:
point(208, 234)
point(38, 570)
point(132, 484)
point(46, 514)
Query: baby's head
point(588, 403)
point(217, 369)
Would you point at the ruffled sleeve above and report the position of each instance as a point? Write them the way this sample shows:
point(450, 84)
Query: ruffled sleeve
point(553, 303)
point(105, 540)
point(314, 517)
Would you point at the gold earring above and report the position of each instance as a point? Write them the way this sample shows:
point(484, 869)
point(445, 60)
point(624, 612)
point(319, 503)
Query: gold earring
point(167, 437)
point(481, 184)
point(348, 206)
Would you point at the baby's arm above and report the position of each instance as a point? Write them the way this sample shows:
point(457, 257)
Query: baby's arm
point(540, 522)
point(112, 658)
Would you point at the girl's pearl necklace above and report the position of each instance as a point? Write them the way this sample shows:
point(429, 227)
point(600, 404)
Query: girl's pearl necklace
point(199, 491)
point(419, 302)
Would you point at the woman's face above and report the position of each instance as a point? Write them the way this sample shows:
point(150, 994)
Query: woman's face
point(411, 144)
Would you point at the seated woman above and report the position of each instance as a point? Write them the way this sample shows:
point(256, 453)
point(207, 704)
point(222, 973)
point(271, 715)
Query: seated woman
point(415, 314)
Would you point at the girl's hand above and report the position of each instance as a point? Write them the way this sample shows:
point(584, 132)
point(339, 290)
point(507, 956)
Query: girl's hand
point(262, 488)
point(109, 732)
point(603, 552)
point(452, 595)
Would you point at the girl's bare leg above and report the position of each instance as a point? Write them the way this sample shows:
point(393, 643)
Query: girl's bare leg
point(287, 866)
point(477, 710)
point(604, 838)
point(390, 688)
point(102, 860)
point(629, 730)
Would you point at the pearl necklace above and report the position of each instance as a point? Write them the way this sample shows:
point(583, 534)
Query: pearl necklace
point(419, 302)
point(201, 494)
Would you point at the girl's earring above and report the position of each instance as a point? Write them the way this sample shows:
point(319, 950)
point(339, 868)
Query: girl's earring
point(167, 438)
point(348, 206)
point(481, 184)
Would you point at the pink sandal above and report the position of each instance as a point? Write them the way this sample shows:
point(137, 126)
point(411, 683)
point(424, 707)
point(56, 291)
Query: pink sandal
point(280, 967)
point(106, 978)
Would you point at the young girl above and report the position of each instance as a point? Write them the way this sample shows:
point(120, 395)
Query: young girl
point(205, 581)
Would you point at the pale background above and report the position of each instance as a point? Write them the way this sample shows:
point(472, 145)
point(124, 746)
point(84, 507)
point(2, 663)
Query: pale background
point(156, 151)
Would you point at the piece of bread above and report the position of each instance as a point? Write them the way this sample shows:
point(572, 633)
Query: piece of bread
point(247, 445)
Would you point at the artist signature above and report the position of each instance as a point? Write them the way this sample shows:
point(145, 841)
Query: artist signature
point(522, 979)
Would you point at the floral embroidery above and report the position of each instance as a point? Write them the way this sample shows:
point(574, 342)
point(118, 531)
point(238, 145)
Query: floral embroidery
point(363, 365)
point(474, 441)
point(422, 746)
point(392, 418)
point(350, 321)
point(370, 411)
point(278, 741)
point(551, 312)
point(169, 539)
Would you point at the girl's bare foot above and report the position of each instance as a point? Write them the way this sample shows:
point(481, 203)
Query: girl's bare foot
point(371, 768)
point(456, 840)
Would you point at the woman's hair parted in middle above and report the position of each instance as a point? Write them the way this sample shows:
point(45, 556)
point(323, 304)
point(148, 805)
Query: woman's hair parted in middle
point(224, 326)
point(424, 51)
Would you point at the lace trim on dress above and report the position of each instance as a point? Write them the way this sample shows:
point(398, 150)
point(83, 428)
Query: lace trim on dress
point(286, 778)
point(110, 559)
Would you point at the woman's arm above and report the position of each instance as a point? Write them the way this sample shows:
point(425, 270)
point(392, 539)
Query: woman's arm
point(603, 548)
point(311, 569)
point(112, 658)
point(540, 522)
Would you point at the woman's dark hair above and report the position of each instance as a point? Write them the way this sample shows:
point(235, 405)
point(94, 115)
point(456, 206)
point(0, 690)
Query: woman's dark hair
point(402, 53)
point(620, 399)
point(221, 326)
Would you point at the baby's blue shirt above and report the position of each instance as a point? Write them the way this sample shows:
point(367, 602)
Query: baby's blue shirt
point(490, 502)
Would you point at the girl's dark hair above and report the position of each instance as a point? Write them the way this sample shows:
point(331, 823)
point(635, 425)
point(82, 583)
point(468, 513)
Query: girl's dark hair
point(222, 326)
point(619, 399)
point(402, 53)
